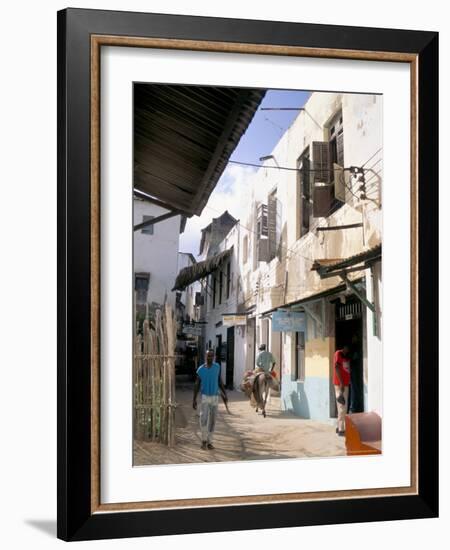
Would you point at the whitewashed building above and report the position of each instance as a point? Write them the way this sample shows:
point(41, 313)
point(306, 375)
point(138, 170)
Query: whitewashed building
point(312, 250)
point(155, 256)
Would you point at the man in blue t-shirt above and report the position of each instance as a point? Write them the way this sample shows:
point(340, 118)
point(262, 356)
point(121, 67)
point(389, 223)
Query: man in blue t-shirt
point(209, 383)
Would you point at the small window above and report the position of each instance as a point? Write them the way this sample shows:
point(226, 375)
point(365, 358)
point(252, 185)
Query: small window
point(148, 230)
point(228, 279)
point(214, 288)
point(141, 284)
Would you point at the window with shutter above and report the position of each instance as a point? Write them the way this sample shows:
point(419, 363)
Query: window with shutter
point(336, 130)
point(263, 250)
point(272, 223)
point(278, 230)
point(321, 161)
point(323, 200)
point(262, 234)
point(274, 220)
point(304, 180)
point(262, 227)
point(340, 181)
point(328, 163)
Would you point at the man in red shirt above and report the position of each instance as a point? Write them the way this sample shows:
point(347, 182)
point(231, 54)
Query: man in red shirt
point(341, 381)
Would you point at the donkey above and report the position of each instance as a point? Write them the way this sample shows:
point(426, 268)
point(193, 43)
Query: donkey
point(261, 386)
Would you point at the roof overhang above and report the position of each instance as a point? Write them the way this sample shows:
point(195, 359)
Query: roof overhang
point(358, 262)
point(184, 137)
point(193, 273)
point(308, 299)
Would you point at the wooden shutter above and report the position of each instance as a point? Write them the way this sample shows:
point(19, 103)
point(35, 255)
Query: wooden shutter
point(321, 161)
point(262, 215)
point(340, 148)
point(263, 250)
point(306, 211)
point(323, 197)
point(305, 196)
point(339, 182)
point(278, 228)
point(306, 178)
point(272, 224)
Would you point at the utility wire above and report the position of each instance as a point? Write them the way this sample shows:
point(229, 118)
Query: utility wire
point(290, 252)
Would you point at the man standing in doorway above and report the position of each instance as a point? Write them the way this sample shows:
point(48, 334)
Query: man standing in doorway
point(341, 381)
point(209, 383)
point(265, 360)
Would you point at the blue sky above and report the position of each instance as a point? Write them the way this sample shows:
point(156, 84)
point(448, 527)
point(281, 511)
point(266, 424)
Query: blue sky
point(261, 136)
point(267, 127)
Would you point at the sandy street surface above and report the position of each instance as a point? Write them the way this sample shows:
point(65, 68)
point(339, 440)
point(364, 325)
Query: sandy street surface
point(242, 435)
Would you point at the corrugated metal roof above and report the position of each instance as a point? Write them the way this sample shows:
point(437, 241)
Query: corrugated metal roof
point(327, 266)
point(184, 137)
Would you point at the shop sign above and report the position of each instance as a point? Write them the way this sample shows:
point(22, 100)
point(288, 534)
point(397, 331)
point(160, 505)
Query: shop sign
point(288, 321)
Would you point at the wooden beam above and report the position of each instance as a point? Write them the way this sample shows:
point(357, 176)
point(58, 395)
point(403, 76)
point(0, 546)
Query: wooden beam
point(341, 273)
point(158, 219)
point(337, 227)
point(157, 202)
point(355, 291)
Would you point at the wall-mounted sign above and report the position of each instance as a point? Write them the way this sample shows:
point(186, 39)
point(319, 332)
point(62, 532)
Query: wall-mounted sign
point(232, 320)
point(288, 321)
point(193, 330)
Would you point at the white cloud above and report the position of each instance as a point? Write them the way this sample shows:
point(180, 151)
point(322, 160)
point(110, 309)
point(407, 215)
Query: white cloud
point(232, 193)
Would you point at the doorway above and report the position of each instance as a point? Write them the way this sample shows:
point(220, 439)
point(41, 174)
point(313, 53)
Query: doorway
point(349, 331)
point(250, 341)
point(229, 373)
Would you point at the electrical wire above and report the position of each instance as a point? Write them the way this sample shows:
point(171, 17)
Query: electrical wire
point(290, 252)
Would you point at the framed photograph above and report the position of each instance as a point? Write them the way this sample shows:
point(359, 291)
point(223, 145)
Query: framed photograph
point(247, 286)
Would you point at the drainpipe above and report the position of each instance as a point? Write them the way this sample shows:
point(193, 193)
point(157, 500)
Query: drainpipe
point(374, 312)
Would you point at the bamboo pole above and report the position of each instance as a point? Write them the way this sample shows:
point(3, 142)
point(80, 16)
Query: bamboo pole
point(154, 379)
point(170, 372)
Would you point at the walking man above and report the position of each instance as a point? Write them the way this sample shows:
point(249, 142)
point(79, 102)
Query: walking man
point(341, 381)
point(209, 383)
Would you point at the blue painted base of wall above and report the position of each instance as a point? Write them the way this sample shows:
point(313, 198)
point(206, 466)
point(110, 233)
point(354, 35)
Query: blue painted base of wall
point(308, 399)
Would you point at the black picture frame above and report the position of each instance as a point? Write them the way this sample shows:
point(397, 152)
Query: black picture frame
point(76, 521)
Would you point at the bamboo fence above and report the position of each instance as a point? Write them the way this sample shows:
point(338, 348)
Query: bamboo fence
point(154, 379)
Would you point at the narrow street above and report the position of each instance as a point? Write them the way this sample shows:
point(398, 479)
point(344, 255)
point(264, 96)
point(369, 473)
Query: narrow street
point(241, 435)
